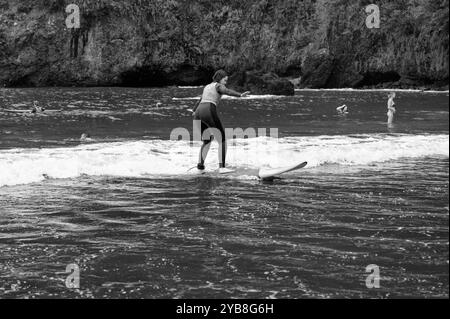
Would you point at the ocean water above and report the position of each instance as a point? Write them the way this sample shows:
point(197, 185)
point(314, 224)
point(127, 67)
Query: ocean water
point(125, 208)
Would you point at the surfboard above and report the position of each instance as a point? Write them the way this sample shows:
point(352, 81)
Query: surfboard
point(16, 111)
point(196, 171)
point(272, 173)
point(26, 112)
point(263, 174)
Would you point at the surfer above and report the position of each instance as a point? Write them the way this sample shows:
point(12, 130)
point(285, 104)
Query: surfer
point(391, 108)
point(207, 120)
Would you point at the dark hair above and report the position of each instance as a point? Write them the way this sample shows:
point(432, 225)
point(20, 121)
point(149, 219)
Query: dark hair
point(219, 75)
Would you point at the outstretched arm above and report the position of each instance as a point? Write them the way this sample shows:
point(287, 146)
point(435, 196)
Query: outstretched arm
point(222, 89)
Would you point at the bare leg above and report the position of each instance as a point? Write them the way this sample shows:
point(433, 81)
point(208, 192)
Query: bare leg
point(222, 152)
point(204, 152)
point(390, 118)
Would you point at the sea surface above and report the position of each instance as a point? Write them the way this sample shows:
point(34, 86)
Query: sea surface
point(125, 208)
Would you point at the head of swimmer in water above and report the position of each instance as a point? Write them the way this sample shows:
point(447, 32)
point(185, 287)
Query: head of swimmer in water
point(36, 107)
point(221, 77)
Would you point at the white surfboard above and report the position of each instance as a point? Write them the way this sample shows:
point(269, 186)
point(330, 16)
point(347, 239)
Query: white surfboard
point(270, 174)
point(263, 174)
point(27, 112)
point(196, 171)
point(16, 111)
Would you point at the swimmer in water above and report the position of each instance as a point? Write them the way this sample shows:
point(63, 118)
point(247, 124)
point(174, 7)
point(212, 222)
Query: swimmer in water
point(36, 108)
point(343, 109)
point(391, 108)
point(206, 118)
point(85, 137)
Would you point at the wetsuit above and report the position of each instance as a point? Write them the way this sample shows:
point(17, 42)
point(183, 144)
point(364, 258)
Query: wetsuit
point(205, 115)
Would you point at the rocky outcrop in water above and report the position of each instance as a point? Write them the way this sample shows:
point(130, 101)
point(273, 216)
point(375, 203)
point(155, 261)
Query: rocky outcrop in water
point(323, 44)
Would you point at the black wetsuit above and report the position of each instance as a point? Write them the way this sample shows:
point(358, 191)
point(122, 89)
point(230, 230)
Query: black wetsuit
point(205, 115)
point(210, 127)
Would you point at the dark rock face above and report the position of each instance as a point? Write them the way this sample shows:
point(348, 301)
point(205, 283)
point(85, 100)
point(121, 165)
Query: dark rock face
point(183, 75)
point(180, 42)
point(375, 78)
point(189, 75)
point(317, 69)
point(261, 83)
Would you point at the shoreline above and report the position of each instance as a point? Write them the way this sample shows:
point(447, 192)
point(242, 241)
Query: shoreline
point(374, 90)
point(412, 90)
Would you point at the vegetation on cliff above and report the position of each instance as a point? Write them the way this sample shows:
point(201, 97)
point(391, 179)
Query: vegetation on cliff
point(160, 42)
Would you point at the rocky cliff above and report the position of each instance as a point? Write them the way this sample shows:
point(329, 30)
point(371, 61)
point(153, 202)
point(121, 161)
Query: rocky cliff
point(323, 43)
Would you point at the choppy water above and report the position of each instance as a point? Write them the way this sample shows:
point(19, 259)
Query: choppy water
point(124, 208)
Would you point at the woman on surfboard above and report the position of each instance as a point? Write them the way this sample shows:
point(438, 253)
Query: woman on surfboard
point(391, 108)
point(207, 121)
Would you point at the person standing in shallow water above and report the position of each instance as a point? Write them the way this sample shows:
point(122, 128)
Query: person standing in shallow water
point(391, 108)
point(206, 119)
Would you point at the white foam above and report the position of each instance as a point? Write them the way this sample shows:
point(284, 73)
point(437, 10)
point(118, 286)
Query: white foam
point(190, 87)
point(373, 90)
point(163, 158)
point(227, 97)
